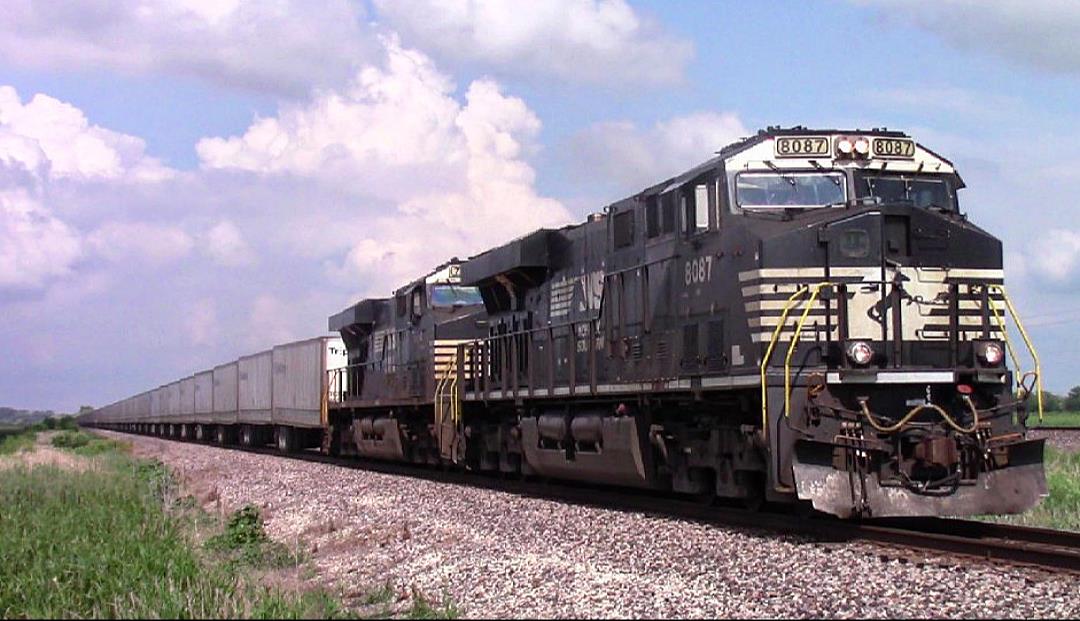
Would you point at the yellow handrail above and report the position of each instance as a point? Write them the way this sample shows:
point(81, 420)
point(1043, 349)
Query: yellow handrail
point(788, 305)
point(1027, 342)
point(795, 342)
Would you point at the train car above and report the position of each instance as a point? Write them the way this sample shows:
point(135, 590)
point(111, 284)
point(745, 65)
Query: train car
point(299, 387)
point(255, 398)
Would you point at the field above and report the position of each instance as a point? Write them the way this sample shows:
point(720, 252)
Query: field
point(105, 535)
point(1056, 419)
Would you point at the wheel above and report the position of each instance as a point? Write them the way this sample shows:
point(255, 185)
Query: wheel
point(221, 435)
point(246, 436)
point(286, 441)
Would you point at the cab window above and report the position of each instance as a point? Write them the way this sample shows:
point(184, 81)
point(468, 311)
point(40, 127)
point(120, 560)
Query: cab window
point(921, 190)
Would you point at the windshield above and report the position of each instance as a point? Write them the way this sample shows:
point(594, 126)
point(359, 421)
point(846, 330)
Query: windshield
point(455, 295)
point(787, 190)
point(923, 191)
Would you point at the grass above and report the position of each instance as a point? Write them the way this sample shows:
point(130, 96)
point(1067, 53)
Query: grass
point(1055, 419)
point(82, 443)
point(106, 542)
point(1061, 508)
point(13, 443)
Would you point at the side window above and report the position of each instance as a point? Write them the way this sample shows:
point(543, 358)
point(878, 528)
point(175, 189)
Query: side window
point(652, 216)
point(623, 226)
point(401, 305)
point(667, 213)
point(695, 209)
point(416, 304)
point(702, 203)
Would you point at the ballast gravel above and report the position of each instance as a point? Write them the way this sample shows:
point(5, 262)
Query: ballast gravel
point(496, 554)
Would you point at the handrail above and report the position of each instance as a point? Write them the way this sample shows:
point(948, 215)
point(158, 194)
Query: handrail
point(1027, 342)
point(794, 343)
point(788, 305)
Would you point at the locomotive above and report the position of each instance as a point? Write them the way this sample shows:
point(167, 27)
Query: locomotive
point(806, 318)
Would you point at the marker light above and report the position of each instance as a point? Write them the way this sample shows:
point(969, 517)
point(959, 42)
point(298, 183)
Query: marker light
point(991, 353)
point(844, 146)
point(862, 147)
point(860, 353)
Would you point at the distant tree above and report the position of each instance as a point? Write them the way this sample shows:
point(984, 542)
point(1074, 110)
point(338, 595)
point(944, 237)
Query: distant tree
point(1052, 402)
point(1072, 401)
point(49, 422)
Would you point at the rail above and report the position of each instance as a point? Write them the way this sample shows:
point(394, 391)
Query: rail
point(1027, 341)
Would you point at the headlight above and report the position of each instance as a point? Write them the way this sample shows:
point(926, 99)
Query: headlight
point(862, 147)
point(844, 146)
point(991, 353)
point(860, 353)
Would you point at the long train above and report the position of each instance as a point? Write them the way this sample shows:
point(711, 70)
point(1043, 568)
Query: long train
point(807, 317)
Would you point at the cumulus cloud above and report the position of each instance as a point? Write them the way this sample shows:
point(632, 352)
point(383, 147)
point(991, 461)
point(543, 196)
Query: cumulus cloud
point(140, 243)
point(44, 142)
point(1041, 34)
point(35, 246)
point(432, 176)
point(46, 131)
point(224, 243)
point(281, 47)
point(598, 41)
point(628, 158)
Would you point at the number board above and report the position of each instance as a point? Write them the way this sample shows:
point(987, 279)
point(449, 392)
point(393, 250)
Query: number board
point(901, 148)
point(802, 146)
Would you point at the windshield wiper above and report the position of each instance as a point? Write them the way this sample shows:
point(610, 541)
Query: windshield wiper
point(818, 167)
point(788, 178)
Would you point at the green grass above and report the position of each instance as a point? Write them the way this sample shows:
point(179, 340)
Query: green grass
point(1061, 508)
point(13, 443)
point(1055, 419)
point(85, 444)
point(244, 543)
point(105, 543)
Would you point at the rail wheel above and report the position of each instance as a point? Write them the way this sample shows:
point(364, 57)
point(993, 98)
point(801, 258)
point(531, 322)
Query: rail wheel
point(286, 439)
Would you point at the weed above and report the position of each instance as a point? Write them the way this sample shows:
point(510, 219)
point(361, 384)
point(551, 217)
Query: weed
point(244, 542)
point(422, 608)
point(11, 444)
point(100, 543)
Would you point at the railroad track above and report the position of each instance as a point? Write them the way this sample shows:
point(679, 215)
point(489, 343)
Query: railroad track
point(971, 540)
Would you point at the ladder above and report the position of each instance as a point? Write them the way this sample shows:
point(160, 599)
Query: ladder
point(448, 412)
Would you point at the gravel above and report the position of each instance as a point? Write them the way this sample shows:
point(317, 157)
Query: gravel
point(1060, 439)
point(495, 554)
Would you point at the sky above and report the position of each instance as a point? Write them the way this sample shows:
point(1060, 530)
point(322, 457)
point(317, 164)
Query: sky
point(185, 182)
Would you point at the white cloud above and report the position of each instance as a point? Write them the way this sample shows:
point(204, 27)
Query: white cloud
point(226, 244)
point(282, 47)
point(600, 41)
point(48, 130)
point(34, 245)
point(949, 99)
point(1042, 34)
point(44, 142)
point(627, 158)
point(432, 176)
point(201, 322)
point(1056, 257)
point(140, 243)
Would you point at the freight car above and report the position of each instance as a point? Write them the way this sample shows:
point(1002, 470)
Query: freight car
point(807, 317)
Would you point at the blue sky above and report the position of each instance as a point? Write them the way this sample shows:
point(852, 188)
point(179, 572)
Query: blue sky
point(199, 180)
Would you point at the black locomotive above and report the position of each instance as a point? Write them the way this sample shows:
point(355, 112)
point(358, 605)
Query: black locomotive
point(806, 316)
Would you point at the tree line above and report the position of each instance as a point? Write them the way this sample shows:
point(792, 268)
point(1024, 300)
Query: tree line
point(1062, 403)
